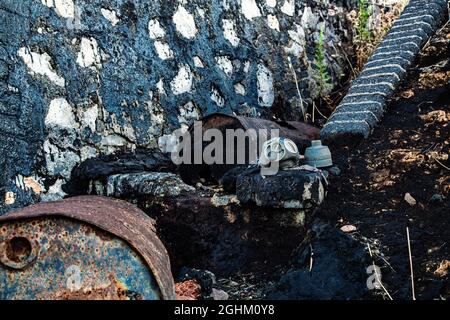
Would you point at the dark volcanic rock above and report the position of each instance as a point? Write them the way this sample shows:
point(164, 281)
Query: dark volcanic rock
point(100, 168)
point(338, 268)
point(206, 279)
point(224, 238)
point(294, 188)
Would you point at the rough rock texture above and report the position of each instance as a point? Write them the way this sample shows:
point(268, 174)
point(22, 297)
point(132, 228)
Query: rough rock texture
point(295, 188)
point(337, 270)
point(80, 79)
point(369, 94)
point(216, 233)
point(148, 184)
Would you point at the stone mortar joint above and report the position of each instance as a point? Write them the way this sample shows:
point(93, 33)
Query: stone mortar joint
point(367, 99)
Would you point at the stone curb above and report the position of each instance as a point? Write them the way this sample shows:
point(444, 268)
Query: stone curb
point(367, 98)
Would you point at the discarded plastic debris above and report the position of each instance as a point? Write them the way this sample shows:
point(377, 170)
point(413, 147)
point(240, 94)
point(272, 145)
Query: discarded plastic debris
point(317, 155)
point(281, 150)
point(82, 248)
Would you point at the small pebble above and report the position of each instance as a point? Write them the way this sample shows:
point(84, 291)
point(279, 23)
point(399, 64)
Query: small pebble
point(409, 198)
point(218, 294)
point(348, 228)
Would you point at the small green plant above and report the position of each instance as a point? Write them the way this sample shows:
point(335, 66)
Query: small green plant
point(321, 70)
point(364, 12)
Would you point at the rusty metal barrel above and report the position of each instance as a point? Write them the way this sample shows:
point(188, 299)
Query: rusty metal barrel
point(87, 248)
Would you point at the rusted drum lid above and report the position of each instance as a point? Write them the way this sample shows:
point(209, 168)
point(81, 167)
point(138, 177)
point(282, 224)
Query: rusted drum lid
point(117, 217)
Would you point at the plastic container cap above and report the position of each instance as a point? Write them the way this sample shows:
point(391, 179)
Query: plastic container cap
point(317, 155)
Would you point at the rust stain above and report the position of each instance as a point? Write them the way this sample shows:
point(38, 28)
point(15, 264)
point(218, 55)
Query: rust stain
point(118, 218)
point(188, 290)
point(115, 291)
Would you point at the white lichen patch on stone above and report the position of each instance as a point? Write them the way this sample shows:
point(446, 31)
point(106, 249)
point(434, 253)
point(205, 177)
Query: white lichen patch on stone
point(156, 117)
point(288, 7)
point(266, 94)
point(128, 132)
point(55, 192)
point(88, 55)
point(163, 50)
point(89, 117)
point(229, 32)
point(298, 41)
point(114, 140)
point(88, 152)
point(182, 82)
point(224, 63)
point(217, 97)
point(271, 3)
point(201, 12)
point(160, 87)
point(272, 22)
point(309, 20)
point(188, 114)
point(64, 8)
point(110, 15)
point(59, 162)
point(40, 64)
point(155, 30)
point(60, 114)
point(239, 88)
point(48, 3)
point(307, 191)
point(247, 66)
point(221, 201)
point(185, 23)
point(169, 142)
point(250, 9)
point(198, 63)
point(225, 4)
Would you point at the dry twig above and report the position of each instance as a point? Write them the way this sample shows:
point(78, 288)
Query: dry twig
point(411, 264)
point(377, 277)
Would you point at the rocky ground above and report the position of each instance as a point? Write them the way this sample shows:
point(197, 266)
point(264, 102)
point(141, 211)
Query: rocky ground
point(398, 178)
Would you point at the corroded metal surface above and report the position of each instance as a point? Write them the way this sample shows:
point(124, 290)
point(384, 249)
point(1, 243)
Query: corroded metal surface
point(60, 258)
point(124, 224)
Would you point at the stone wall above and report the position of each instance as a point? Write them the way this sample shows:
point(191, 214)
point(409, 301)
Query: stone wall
point(83, 78)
